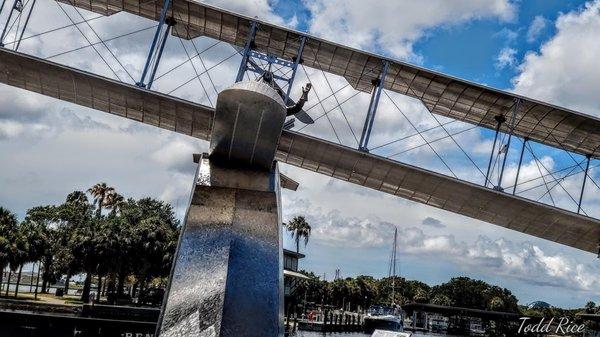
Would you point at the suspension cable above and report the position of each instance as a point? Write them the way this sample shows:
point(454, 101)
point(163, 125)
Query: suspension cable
point(328, 111)
point(530, 149)
point(195, 71)
point(202, 73)
point(104, 44)
point(432, 141)
point(53, 30)
point(323, 107)
point(406, 137)
point(420, 134)
point(89, 42)
point(96, 43)
point(184, 62)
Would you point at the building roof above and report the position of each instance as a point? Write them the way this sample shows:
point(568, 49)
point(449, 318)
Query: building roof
point(295, 274)
point(293, 253)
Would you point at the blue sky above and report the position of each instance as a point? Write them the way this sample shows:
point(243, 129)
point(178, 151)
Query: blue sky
point(544, 49)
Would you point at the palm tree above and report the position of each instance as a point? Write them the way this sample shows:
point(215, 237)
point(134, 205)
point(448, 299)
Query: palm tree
point(101, 193)
point(18, 256)
point(114, 202)
point(300, 230)
point(8, 225)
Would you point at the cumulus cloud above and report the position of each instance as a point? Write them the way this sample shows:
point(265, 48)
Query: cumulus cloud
point(536, 27)
point(506, 58)
point(261, 9)
point(394, 26)
point(565, 70)
point(520, 260)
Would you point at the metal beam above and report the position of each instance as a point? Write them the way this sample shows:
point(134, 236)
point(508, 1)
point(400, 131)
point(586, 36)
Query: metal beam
point(152, 51)
point(585, 175)
point(25, 25)
point(499, 120)
point(375, 95)
point(297, 61)
point(520, 163)
point(512, 128)
point(170, 23)
point(17, 6)
point(246, 53)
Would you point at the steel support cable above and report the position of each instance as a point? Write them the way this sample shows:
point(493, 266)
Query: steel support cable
point(337, 101)
point(327, 97)
point(544, 179)
point(202, 73)
point(420, 134)
point(89, 42)
point(25, 25)
point(204, 66)
point(562, 178)
point(340, 107)
point(570, 174)
point(432, 141)
point(497, 160)
point(326, 112)
point(195, 71)
point(563, 148)
point(530, 149)
point(104, 44)
point(414, 134)
point(53, 30)
point(19, 18)
point(15, 21)
point(96, 43)
point(184, 62)
point(454, 140)
point(558, 181)
point(322, 106)
point(370, 71)
point(547, 174)
point(457, 144)
point(335, 97)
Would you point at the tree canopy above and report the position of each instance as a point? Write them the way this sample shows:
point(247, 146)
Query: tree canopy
point(136, 239)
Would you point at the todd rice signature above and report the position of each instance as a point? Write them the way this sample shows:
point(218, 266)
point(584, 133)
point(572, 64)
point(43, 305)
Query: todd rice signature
point(562, 325)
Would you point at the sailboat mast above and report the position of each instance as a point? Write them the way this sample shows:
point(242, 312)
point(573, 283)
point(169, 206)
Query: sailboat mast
point(394, 264)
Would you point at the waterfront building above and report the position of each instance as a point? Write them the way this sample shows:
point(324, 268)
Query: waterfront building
point(291, 276)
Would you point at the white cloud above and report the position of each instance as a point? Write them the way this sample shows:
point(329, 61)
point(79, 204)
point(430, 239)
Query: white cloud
point(520, 260)
point(536, 28)
point(565, 71)
point(506, 58)
point(393, 26)
point(254, 8)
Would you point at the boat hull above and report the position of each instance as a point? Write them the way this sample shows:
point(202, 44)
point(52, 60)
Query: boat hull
point(382, 323)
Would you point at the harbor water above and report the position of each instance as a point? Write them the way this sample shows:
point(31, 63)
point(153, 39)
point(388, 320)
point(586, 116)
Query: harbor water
point(351, 334)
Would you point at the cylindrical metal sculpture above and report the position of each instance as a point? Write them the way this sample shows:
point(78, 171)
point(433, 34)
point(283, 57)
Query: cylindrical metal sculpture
point(227, 278)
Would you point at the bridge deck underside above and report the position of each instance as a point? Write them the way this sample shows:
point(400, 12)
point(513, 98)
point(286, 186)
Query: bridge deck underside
point(441, 94)
point(310, 153)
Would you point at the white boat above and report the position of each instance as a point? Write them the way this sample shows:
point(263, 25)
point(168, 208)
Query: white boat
point(387, 318)
point(383, 333)
point(383, 318)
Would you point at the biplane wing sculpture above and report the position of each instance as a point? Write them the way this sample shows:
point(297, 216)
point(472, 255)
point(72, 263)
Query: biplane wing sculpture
point(231, 240)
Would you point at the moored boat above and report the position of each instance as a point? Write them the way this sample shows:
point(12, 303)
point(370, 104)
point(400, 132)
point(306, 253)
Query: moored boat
point(383, 333)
